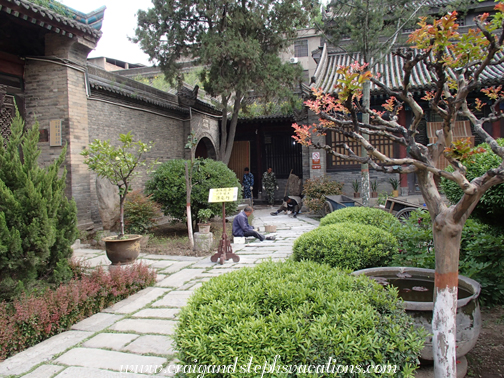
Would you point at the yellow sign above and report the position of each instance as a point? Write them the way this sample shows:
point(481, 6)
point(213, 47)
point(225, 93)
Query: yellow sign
point(55, 132)
point(223, 195)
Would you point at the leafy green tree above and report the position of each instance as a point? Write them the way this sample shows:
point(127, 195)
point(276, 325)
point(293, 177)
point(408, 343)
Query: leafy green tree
point(38, 224)
point(168, 186)
point(236, 42)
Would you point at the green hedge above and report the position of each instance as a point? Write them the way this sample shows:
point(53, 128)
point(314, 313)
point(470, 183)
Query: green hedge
point(168, 186)
point(346, 245)
point(491, 205)
point(362, 215)
point(304, 313)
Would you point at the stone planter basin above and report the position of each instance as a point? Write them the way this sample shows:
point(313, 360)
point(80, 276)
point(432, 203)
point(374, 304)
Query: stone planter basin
point(122, 251)
point(419, 305)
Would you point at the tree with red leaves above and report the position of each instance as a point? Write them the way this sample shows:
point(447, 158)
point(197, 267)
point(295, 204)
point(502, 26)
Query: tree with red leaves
point(457, 62)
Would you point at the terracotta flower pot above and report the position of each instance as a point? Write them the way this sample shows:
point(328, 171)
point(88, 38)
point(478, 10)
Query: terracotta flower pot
point(395, 193)
point(374, 194)
point(122, 251)
point(204, 228)
point(356, 195)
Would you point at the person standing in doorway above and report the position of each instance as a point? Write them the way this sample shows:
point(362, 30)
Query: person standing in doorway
point(248, 183)
point(270, 184)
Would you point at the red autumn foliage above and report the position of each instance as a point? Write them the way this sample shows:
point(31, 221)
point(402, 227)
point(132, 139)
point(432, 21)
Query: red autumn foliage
point(29, 320)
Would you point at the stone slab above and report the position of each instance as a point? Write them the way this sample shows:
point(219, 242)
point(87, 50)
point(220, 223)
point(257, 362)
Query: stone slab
point(151, 344)
point(106, 359)
point(98, 261)
point(173, 299)
point(176, 267)
point(44, 371)
point(83, 372)
point(179, 278)
point(156, 326)
point(26, 360)
point(161, 313)
point(110, 340)
point(137, 301)
point(97, 322)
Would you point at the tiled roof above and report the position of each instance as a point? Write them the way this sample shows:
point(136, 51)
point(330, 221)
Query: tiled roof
point(47, 18)
point(128, 88)
point(391, 72)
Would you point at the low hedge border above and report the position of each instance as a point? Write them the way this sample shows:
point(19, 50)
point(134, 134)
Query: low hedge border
point(299, 314)
point(362, 215)
point(32, 319)
point(346, 245)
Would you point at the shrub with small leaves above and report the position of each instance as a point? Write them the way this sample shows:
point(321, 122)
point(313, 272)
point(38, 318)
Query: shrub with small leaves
point(362, 215)
point(491, 205)
point(481, 252)
point(316, 189)
point(29, 320)
point(305, 313)
point(346, 245)
point(140, 212)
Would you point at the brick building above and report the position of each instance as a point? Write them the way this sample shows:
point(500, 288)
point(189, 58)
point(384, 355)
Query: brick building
point(44, 69)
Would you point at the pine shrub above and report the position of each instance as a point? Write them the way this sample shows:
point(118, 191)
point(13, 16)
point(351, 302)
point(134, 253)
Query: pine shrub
point(305, 313)
point(362, 215)
point(346, 245)
point(31, 319)
point(38, 224)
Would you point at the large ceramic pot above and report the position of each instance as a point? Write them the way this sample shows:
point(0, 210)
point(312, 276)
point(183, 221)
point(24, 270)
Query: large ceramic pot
point(122, 251)
point(419, 304)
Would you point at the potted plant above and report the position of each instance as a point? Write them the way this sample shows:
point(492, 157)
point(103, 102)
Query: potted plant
point(395, 186)
point(374, 189)
point(204, 216)
point(118, 164)
point(355, 186)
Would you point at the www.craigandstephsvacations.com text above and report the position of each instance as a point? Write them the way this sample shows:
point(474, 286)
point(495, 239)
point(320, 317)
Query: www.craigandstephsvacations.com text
point(261, 369)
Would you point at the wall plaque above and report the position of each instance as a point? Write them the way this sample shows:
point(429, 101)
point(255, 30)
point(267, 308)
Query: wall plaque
point(55, 132)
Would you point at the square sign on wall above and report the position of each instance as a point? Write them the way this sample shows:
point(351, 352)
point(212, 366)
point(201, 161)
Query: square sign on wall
point(55, 132)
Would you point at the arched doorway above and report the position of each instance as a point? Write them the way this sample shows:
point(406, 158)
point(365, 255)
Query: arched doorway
point(205, 149)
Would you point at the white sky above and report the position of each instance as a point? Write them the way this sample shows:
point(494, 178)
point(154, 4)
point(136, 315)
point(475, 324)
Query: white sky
point(119, 23)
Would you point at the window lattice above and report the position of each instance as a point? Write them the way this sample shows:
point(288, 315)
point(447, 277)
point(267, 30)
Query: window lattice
point(6, 115)
point(384, 145)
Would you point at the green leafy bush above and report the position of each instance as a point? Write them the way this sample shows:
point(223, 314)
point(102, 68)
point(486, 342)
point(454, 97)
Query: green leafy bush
point(168, 186)
point(491, 205)
point(362, 215)
point(481, 252)
point(346, 245)
point(140, 212)
point(29, 320)
point(305, 313)
point(316, 189)
point(38, 224)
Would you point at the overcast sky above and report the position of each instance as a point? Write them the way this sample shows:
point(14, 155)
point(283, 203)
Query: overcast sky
point(119, 23)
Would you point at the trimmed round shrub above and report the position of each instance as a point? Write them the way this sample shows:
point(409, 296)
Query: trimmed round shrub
point(491, 205)
point(346, 245)
point(362, 215)
point(168, 186)
point(299, 314)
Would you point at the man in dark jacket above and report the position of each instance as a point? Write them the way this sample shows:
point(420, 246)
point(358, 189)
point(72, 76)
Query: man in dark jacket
point(241, 226)
point(291, 203)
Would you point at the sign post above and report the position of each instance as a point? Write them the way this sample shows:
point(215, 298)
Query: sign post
point(224, 252)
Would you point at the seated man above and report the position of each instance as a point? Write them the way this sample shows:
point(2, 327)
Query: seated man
point(241, 226)
point(290, 203)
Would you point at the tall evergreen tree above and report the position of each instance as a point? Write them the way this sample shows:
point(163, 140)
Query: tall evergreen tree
point(237, 43)
point(38, 224)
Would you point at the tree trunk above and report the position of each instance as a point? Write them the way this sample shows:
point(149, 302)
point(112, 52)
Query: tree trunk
point(447, 236)
point(188, 206)
point(366, 96)
point(226, 156)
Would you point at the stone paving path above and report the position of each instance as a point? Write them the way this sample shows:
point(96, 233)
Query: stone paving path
point(135, 332)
